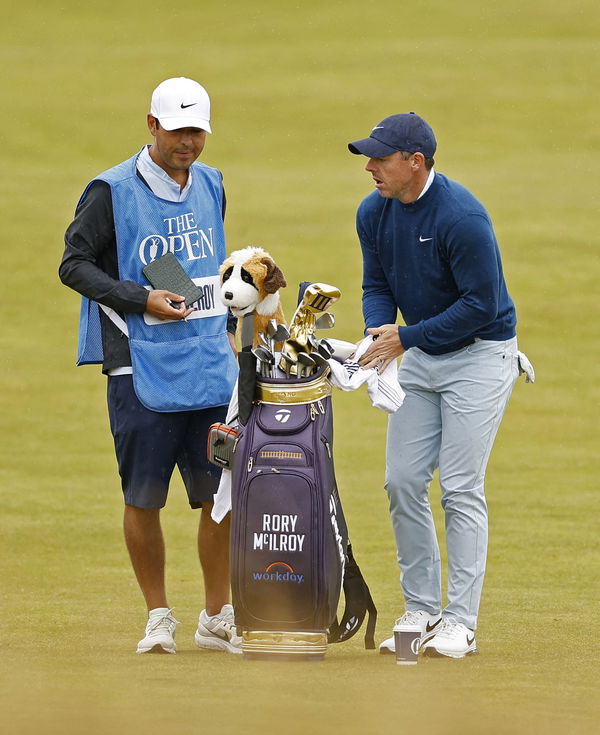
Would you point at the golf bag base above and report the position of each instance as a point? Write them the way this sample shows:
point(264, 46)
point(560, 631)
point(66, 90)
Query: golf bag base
point(277, 645)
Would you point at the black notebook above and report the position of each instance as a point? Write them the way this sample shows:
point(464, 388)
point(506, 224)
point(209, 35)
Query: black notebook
point(166, 273)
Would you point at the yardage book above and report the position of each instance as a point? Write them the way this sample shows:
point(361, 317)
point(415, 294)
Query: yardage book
point(166, 273)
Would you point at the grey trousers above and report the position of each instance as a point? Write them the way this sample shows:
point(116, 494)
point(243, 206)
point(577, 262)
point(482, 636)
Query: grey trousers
point(453, 407)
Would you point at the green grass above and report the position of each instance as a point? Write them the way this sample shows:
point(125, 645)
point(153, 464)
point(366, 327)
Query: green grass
point(511, 91)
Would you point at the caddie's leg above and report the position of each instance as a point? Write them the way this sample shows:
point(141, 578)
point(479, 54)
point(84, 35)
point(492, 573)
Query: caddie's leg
point(145, 543)
point(216, 624)
point(475, 385)
point(411, 457)
point(146, 445)
point(213, 550)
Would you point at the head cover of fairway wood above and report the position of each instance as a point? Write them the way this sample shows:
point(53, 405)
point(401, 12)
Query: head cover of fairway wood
point(317, 298)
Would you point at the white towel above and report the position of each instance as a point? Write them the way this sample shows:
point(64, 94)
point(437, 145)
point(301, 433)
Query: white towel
point(383, 388)
point(222, 501)
point(526, 367)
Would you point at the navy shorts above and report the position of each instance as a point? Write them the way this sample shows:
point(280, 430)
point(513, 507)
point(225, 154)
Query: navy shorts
point(150, 444)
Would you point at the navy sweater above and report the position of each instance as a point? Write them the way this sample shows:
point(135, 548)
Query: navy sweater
point(437, 260)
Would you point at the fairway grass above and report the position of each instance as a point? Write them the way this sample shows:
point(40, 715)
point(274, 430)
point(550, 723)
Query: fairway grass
point(510, 89)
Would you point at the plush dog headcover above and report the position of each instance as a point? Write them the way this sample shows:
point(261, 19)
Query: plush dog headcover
point(250, 282)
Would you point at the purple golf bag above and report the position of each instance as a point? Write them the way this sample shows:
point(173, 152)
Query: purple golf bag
point(290, 554)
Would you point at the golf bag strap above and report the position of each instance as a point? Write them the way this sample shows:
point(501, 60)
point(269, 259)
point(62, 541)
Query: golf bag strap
point(247, 375)
point(247, 332)
point(358, 602)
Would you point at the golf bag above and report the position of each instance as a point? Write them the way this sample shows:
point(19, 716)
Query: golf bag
point(290, 555)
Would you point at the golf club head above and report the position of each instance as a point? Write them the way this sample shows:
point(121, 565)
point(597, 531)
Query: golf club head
point(261, 364)
point(320, 361)
point(316, 299)
point(271, 328)
point(320, 296)
point(325, 349)
point(325, 321)
point(264, 340)
point(313, 343)
point(281, 333)
point(305, 364)
point(286, 363)
point(266, 359)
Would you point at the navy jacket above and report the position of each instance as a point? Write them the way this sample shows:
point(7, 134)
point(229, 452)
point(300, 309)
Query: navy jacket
point(437, 261)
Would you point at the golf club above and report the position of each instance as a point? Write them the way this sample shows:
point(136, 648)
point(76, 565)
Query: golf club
point(287, 362)
point(266, 359)
point(325, 321)
point(305, 364)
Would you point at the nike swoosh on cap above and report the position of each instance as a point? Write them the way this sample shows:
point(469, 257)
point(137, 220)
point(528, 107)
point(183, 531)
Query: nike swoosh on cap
point(377, 127)
point(190, 105)
point(425, 239)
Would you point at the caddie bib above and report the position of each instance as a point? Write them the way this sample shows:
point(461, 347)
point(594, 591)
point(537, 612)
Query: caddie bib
point(177, 365)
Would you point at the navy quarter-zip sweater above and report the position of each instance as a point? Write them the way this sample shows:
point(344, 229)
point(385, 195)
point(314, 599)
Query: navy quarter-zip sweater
point(438, 261)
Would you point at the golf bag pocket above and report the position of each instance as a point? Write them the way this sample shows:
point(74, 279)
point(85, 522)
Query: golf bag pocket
point(281, 419)
point(276, 549)
point(276, 455)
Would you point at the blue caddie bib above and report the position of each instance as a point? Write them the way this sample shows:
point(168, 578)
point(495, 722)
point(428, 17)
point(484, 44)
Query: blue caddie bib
point(177, 365)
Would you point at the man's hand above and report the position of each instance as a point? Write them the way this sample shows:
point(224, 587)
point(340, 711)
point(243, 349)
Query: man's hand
point(159, 305)
point(385, 348)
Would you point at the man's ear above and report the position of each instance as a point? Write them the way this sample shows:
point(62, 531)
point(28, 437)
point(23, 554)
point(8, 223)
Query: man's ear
point(152, 126)
point(418, 161)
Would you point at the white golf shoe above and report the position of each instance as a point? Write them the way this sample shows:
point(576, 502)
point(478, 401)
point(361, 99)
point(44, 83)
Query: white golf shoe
point(427, 622)
point(218, 631)
point(452, 639)
point(160, 634)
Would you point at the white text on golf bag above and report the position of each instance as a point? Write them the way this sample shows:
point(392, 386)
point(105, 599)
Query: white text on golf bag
point(278, 534)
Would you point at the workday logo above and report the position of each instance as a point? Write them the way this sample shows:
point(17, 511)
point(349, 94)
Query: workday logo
point(283, 415)
point(278, 571)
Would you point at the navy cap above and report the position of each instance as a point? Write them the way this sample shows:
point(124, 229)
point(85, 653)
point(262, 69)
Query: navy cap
point(404, 132)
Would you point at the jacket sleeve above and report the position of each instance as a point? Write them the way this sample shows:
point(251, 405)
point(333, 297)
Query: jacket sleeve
point(89, 262)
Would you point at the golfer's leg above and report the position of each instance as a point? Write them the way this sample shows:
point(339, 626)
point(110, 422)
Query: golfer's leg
point(475, 393)
point(411, 458)
point(145, 543)
point(213, 549)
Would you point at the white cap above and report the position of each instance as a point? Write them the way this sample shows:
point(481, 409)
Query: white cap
point(181, 103)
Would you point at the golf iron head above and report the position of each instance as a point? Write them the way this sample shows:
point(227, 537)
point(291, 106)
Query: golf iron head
point(325, 321)
point(305, 364)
